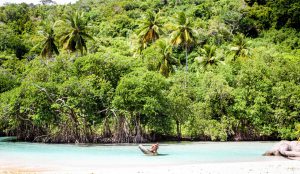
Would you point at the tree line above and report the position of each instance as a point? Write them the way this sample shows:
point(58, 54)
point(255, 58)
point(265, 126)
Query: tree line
point(123, 71)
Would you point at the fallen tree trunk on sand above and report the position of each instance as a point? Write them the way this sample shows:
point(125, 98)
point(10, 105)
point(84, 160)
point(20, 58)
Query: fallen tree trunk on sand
point(289, 149)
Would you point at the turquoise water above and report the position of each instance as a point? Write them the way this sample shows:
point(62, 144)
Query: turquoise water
point(62, 155)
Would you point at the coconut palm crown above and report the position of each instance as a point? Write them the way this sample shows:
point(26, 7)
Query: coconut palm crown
point(166, 60)
point(49, 46)
point(150, 29)
point(183, 34)
point(241, 47)
point(208, 56)
point(76, 36)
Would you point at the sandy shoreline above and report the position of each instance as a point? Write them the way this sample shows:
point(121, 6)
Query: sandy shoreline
point(261, 167)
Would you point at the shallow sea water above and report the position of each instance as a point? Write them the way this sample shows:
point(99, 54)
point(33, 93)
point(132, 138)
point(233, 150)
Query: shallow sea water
point(38, 155)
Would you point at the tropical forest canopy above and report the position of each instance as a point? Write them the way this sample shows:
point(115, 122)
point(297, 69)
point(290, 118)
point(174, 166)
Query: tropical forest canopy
point(147, 70)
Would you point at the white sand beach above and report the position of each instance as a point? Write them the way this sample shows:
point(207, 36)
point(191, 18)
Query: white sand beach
point(262, 167)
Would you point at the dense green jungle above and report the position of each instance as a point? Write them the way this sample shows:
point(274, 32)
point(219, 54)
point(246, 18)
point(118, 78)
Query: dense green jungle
point(131, 71)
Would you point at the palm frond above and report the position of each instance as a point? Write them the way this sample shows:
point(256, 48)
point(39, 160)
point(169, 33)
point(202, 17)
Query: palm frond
point(85, 35)
point(181, 18)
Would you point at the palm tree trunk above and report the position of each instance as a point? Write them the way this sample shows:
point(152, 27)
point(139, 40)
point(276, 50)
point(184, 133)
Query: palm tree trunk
point(186, 65)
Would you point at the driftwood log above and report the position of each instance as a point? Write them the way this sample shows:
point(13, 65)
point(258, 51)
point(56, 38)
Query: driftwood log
point(288, 149)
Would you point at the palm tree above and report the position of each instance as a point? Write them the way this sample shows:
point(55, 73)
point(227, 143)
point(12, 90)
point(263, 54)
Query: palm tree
point(49, 46)
point(183, 35)
point(150, 29)
point(167, 60)
point(241, 47)
point(208, 56)
point(76, 35)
